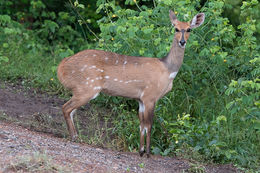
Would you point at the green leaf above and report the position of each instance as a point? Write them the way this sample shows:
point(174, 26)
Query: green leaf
point(156, 151)
point(4, 58)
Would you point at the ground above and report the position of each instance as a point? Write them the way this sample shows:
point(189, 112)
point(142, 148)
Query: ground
point(30, 142)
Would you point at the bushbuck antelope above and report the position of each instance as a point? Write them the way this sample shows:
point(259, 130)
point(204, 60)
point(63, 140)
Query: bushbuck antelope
point(144, 79)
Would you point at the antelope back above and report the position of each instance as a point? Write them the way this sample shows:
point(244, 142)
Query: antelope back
point(114, 74)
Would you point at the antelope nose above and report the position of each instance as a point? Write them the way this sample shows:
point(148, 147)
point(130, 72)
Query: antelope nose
point(182, 42)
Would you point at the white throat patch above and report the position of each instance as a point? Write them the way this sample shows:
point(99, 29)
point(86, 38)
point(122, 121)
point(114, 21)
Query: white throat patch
point(173, 74)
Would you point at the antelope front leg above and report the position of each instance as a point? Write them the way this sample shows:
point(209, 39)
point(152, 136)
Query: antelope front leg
point(148, 122)
point(142, 130)
point(146, 112)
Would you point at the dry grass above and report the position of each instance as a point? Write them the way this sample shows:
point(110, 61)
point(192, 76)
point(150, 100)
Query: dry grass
point(37, 162)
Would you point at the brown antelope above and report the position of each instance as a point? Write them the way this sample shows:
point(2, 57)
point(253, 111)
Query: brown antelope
point(144, 79)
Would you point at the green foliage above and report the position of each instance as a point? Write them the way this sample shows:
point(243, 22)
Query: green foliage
point(212, 113)
point(216, 53)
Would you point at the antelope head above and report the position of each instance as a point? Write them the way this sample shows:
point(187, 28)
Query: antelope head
point(183, 29)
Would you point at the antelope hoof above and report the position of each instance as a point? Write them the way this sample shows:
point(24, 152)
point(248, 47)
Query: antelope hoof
point(141, 153)
point(148, 155)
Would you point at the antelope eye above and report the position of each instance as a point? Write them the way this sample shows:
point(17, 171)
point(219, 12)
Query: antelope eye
point(188, 30)
point(177, 30)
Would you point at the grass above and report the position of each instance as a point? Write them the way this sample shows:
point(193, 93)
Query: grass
point(37, 162)
point(222, 141)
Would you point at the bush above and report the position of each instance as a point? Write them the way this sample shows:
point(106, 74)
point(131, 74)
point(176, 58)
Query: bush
point(212, 113)
point(216, 53)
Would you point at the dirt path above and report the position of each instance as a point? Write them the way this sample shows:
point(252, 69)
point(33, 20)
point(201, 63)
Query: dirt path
point(16, 143)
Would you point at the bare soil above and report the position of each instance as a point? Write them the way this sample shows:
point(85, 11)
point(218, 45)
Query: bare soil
point(32, 122)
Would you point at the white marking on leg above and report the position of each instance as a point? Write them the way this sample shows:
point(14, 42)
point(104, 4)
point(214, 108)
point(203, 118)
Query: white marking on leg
point(116, 61)
point(71, 115)
point(141, 107)
point(172, 75)
point(143, 131)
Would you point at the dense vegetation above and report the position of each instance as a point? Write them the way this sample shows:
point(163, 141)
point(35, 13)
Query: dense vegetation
point(211, 114)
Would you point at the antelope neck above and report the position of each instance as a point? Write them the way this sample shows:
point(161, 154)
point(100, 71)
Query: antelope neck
point(174, 59)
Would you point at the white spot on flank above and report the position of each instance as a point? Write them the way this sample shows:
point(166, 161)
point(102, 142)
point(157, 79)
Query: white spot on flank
point(120, 81)
point(107, 77)
point(92, 67)
point(142, 149)
point(95, 96)
point(87, 78)
point(94, 55)
point(115, 79)
point(86, 83)
point(125, 62)
point(116, 61)
point(172, 75)
point(72, 71)
point(97, 88)
point(141, 107)
point(106, 58)
point(128, 81)
point(100, 70)
point(92, 80)
point(71, 115)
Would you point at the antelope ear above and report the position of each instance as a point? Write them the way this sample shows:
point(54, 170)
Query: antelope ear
point(172, 17)
point(197, 20)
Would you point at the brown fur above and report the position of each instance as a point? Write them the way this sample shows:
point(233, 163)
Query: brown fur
point(144, 79)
